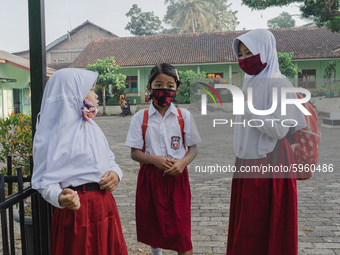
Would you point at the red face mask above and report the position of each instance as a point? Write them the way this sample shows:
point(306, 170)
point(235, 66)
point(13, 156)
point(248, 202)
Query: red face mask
point(252, 65)
point(163, 97)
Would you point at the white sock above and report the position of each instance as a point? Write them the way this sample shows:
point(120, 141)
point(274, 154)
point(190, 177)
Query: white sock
point(156, 251)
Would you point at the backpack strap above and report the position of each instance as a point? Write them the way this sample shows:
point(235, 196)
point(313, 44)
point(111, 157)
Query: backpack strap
point(181, 123)
point(290, 138)
point(145, 126)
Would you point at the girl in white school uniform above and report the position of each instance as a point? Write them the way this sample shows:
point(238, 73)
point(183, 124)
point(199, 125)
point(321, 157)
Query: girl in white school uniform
point(163, 197)
point(75, 170)
point(263, 208)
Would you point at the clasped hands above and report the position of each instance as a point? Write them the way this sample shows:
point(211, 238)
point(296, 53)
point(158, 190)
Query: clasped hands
point(170, 166)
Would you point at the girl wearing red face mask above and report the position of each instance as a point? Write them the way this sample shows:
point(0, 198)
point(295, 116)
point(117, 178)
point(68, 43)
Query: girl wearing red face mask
point(263, 207)
point(158, 137)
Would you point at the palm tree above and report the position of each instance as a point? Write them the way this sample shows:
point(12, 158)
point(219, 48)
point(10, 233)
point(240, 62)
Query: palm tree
point(225, 20)
point(187, 16)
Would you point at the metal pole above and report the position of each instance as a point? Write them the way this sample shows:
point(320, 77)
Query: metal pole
point(36, 17)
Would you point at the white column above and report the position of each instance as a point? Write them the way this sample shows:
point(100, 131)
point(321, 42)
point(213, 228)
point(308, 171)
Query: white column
point(1, 102)
point(138, 85)
point(296, 78)
point(230, 74)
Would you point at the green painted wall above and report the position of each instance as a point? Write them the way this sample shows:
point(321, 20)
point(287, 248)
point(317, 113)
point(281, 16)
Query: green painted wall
point(319, 66)
point(6, 89)
point(227, 69)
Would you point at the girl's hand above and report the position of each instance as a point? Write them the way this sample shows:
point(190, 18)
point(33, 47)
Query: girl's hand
point(109, 181)
point(177, 168)
point(162, 162)
point(70, 199)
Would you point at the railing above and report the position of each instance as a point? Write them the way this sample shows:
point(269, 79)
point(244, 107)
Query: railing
point(41, 215)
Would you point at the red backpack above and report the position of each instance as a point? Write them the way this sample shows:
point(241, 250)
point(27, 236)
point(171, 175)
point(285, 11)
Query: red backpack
point(306, 152)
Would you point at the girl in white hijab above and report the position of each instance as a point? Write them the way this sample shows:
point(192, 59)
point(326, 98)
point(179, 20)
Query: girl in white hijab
point(263, 208)
point(74, 168)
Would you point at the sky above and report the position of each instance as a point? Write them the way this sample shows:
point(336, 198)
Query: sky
point(64, 15)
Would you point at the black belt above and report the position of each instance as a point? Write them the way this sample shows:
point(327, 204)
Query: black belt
point(88, 187)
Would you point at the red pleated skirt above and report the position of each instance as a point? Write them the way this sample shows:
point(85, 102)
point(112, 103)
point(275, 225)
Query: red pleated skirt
point(163, 209)
point(94, 229)
point(263, 211)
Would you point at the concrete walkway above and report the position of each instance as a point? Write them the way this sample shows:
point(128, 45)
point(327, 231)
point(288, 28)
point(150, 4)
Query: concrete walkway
point(319, 200)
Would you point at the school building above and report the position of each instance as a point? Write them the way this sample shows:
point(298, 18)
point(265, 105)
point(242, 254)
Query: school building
point(64, 50)
point(212, 53)
point(15, 92)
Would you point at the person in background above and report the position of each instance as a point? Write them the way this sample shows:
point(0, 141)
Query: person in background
point(123, 105)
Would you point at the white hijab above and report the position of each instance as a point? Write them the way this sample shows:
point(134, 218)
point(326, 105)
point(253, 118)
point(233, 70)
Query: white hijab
point(253, 142)
point(67, 151)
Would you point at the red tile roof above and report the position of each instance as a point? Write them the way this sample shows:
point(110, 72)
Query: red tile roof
point(213, 47)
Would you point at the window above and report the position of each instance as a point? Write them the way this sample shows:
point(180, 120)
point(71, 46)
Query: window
point(131, 83)
point(215, 75)
point(307, 79)
point(17, 100)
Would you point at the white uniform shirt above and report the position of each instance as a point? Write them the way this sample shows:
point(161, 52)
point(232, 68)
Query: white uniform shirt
point(67, 151)
point(163, 135)
point(257, 142)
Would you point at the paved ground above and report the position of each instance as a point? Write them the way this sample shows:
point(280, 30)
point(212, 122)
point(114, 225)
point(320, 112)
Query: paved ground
point(319, 201)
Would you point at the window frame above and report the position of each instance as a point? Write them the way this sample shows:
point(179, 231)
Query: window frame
point(129, 79)
point(306, 73)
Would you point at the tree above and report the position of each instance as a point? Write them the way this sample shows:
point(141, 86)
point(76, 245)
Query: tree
point(225, 20)
point(190, 16)
point(143, 23)
point(324, 12)
point(286, 66)
point(189, 81)
point(329, 71)
point(108, 75)
point(281, 21)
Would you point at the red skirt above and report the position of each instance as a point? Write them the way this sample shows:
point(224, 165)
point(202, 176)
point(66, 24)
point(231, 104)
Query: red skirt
point(163, 209)
point(94, 229)
point(263, 211)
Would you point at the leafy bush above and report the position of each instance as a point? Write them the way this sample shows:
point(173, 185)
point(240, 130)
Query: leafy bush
point(188, 86)
point(16, 141)
point(321, 91)
point(112, 101)
point(286, 65)
point(336, 89)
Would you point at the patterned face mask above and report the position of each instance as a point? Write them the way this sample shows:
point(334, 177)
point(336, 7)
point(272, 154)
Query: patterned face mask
point(88, 110)
point(163, 97)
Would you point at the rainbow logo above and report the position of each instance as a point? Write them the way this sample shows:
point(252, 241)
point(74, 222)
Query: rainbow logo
point(208, 92)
